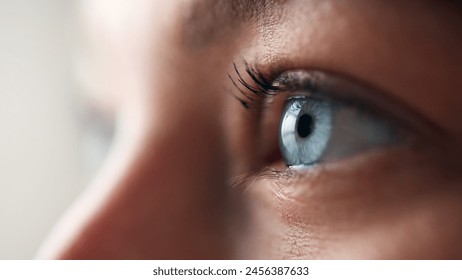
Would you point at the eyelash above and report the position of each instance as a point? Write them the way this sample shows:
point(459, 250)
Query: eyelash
point(263, 86)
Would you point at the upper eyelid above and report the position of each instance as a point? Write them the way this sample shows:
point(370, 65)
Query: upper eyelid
point(271, 82)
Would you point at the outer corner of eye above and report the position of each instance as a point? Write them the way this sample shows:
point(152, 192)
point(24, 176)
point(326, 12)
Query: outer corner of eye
point(314, 130)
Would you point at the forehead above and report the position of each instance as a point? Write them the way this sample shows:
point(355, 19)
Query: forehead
point(372, 39)
point(204, 20)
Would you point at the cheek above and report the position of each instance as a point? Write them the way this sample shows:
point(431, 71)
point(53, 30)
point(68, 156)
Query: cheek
point(397, 208)
point(391, 210)
point(426, 227)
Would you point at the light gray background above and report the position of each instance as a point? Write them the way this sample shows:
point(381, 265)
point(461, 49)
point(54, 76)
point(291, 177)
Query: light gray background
point(40, 141)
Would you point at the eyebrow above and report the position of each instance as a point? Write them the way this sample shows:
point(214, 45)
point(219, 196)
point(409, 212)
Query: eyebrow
point(208, 21)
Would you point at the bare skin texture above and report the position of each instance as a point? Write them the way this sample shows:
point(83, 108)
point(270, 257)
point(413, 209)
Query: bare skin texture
point(194, 175)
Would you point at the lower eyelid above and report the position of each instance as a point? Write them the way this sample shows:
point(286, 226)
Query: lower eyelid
point(338, 179)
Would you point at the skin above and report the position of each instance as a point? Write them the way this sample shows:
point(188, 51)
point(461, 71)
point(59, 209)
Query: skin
point(184, 180)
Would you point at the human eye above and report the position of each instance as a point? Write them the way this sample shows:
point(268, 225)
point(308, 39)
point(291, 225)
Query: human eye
point(317, 127)
point(323, 118)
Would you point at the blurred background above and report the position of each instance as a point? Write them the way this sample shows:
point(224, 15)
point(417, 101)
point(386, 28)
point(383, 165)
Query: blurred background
point(50, 143)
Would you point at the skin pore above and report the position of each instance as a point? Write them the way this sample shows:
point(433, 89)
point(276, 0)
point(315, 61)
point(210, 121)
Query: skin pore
point(194, 175)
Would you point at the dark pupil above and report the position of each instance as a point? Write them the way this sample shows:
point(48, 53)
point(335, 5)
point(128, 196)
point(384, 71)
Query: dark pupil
point(305, 125)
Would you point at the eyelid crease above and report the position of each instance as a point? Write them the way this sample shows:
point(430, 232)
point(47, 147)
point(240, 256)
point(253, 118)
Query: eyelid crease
point(267, 85)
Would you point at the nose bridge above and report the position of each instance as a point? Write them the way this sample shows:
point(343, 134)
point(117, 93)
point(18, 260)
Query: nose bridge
point(158, 198)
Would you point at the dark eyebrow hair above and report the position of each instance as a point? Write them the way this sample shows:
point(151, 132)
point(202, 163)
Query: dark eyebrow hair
point(207, 21)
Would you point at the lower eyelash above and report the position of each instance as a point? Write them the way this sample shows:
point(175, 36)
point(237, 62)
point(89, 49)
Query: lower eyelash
point(246, 181)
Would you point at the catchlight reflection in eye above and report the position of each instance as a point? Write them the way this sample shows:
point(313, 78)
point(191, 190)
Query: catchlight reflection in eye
point(315, 130)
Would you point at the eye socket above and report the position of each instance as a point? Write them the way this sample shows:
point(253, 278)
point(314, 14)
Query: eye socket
point(318, 117)
point(315, 130)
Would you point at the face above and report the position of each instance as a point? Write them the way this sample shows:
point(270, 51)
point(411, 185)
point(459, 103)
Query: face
point(273, 129)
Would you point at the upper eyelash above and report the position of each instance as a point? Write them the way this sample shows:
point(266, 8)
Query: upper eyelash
point(264, 86)
point(261, 87)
